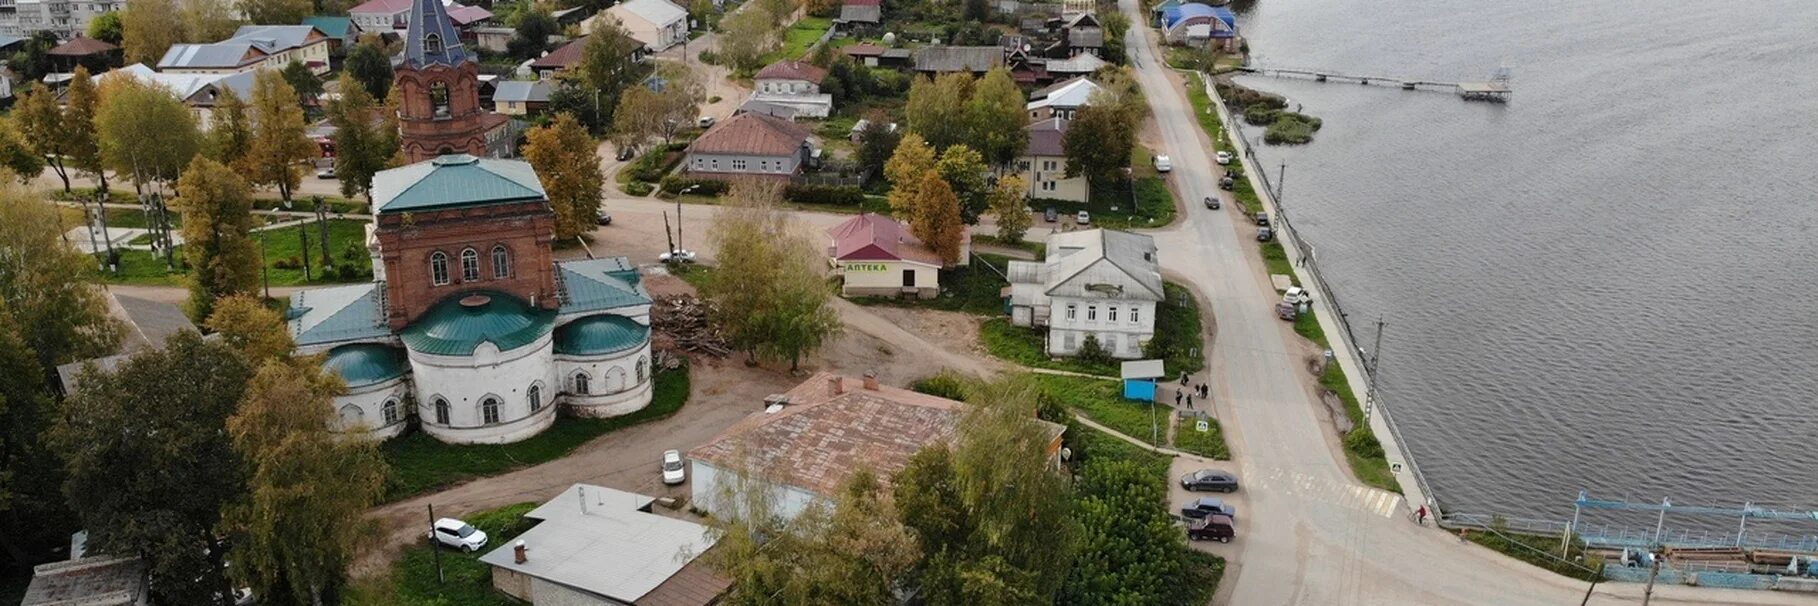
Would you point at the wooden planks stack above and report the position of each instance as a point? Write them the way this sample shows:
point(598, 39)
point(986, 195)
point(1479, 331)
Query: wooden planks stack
point(688, 321)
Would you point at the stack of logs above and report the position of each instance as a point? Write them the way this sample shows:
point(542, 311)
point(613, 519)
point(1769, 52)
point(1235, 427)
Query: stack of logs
point(687, 320)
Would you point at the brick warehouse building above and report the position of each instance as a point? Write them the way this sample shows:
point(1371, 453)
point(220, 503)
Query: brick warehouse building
point(469, 329)
point(439, 84)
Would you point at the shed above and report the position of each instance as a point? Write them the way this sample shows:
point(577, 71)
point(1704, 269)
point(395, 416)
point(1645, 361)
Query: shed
point(1139, 379)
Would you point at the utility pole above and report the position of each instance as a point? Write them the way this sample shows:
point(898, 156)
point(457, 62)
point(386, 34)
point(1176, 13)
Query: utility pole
point(1653, 571)
point(1370, 371)
point(435, 544)
point(1593, 587)
point(1281, 176)
point(1376, 348)
point(322, 221)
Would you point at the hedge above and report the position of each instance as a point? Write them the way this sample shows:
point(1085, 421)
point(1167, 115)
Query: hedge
point(842, 195)
point(673, 184)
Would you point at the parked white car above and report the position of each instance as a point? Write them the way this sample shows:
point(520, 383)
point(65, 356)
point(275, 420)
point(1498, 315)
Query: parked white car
point(673, 470)
point(459, 535)
point(705, 121)
point(1083, 218)
point(1163, 164)
point(677, 256)
point(1296, 296)
point(1223, 157)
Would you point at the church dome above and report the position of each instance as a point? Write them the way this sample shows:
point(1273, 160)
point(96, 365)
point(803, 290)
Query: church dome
point(363, 364)
point(458, 325)
point(602, 334)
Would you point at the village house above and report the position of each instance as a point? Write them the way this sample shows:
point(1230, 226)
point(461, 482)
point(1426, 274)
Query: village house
point(864, 52)
point(390, 15)
point(1044, 164)
point(597, 546)
point(89, 581)
point(875, 255)
point(804, 443)
point(1099, 283)
point(658, 24)
point(568, 55)
point(252, 47)
point(1061, 99)
point(750, 145)
point(519, 97)
point(341, 31)
point(198, 91)
point(860, 15)
point(793, 84)
point(975, 60)
point(1081, 36)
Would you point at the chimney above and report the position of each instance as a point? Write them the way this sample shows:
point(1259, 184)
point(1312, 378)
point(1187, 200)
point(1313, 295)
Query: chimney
point(871, 380)
point(836, 385)
point(520, 553)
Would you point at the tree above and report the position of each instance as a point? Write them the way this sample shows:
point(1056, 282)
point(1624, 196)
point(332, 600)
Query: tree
point(1115, 25)
point(998, 121)
point(280, 137)
point(33, 59)
point(106, 27)
point(591, 90)
point(79, 127)
point(912, 159)
point(32, 510)
point(300, 523)
point(46, 285)
point(150, 463)
point(1124, 522)
point(773, 300)
point(210, 20)
point(277, 11)
point(964, 170)
point(368, 64)
point(303, 81)
point(231, 136)
point(253, 330)
point(1007, 202)
point(148, 28)
point(17, 156)
point(644, 113)
point(362, 148)
point(566, 158)
point(934, 217)
point(745, 36)
point(144, 131)
point(978, 10)
point(877, 144)
point(534, 28)
point(853, 552)
point(41, 125)
point(779, 12)
point(1098, 143)
point(217, 221)
point(937, 108)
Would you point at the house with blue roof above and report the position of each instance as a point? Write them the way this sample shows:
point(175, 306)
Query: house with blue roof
point(1199, 25)
point(470, 331)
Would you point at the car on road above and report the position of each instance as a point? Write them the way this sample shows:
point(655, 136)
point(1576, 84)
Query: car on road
point(459, 535)
point(705, 121)
point(326, 172)
point(1227, 182)
point(626, 152)
point(1296, 295)
point(1262, 219)
point(1264, 234)
point(1286, 311)
point(1051, 215)
point(1083, 218)
point(1223, 157)
point(604, 218)
point(1212, 528)
point(1209, 480)
point(1205, 506)
point(677, 256)
point(1212, 202)
point(673, 472)
point(1163, 164)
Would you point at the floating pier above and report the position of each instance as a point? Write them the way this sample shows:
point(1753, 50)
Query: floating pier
point(1496, 89)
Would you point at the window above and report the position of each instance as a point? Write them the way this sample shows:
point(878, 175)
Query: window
point(438, 268)
point(501, 262)
point(441, 411)
point(580, 383)
point(716, 164)
point(489, 410)
point(438, 99)
point(432, 44)
point(352, 416)
point(1091, 313)
point(1135, 315)
point(536, 398)
point(390, 410)
point(1047, 165)
point(1048, 186)
point(738, 165)
point(1111, 314)
point(470, 265)
point(642, 363)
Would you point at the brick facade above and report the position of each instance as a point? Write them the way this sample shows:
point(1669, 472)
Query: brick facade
point(408, 241)
point(427, 135)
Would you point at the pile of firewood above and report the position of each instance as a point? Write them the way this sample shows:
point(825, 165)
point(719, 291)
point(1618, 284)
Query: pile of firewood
point(687, 320)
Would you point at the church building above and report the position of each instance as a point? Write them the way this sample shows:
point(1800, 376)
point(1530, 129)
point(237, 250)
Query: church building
point(470, 326)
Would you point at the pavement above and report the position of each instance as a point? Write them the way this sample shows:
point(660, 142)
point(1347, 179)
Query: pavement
point(1308, 533)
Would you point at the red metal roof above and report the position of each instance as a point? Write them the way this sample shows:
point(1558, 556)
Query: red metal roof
point(864, 49)
point(792, 70)
point(81, 46)
point(874, 237)
point(754, 134)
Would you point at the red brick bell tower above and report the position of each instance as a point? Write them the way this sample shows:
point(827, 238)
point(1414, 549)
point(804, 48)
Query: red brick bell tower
point(439, 85)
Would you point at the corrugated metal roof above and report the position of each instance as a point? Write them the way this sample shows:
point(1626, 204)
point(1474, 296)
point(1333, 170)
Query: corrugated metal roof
point(1047, 138)
point(1142, 369)
point(455, 180)
point(458, 325)
point(604, 541)
point(337, 27)
point(655, 12)
point(338, 313)
point(861, 13)
point(1081, 259)
point(600, 284)
point(522, 92)
point(753, 134)
point(281, 37)
point(601, 334)
point(943, 59)
point(1068, 93)
point(363, 364)
point(226, 54)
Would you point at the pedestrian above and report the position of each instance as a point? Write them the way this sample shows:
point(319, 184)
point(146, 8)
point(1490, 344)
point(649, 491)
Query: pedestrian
point(1205, 391)
point(1177, 395)
point(1189, 401)
point(1422, 515)
point(1183, 379)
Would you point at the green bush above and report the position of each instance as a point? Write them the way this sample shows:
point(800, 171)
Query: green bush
point(946, 384)
point(353, 252)
point(1258, 115)
point(674, 184)
point(638, 188)
point(1091, 352)
point(1290, 128)
point(1363, 442)
point(840, 195)
point(653, 165)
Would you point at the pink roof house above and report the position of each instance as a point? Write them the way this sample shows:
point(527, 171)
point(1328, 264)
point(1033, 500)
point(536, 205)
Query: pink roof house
point(877, 256)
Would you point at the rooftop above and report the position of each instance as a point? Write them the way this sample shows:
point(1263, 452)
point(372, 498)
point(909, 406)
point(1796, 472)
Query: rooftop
point(148, 323)
point(522, 91)
point(792, 70)
point(455, 180)
point(752, 134)
point(601, 334)
point(863, 49)
point(944, 59)
point(1047, 138)
point(81, 46)
point(1142, 369)
point(362, 364)
point(432, 38)
point(337, 27)
point(874, 237)
point(657, 12)
point(607, 542)
point(459, 324)
point(861, 13)
point(1075, 92)
point(1089, 254)
point(334, 314)
point(96, 581)
point(600, 284)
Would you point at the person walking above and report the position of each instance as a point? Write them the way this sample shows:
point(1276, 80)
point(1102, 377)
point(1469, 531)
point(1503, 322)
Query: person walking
point(1177, 396)
point(1189, 401)
point(1421, 515)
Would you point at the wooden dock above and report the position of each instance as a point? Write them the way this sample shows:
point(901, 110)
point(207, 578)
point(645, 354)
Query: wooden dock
point(1496, 89)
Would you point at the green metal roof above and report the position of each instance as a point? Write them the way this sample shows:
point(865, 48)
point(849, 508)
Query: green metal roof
point(337, 313)
point(459, 324)
point(364, 364)
point(335, 27)
point(600, 284)
point(455, 180)
point(600, 334)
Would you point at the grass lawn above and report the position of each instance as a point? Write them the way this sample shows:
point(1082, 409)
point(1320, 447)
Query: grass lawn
point(347, 240)
point(1210, 443)
point(420, 464)
point(1179, 334)
point(299, 202)
point(1023, 345)
point(1038, 249)
point(1276, 259)
point(798, 38)
point(698, 275)
point(1539, 551)
point(1103, 401)
point(974, 289)
point(469, 582)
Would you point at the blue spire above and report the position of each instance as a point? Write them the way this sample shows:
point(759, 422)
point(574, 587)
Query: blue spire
point(432, 39)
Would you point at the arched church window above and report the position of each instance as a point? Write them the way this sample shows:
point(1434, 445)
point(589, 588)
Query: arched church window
point(441, 411)
point(489, 410)
point(432, 44)
point(536, 398)
point(438, 268)
point(390, 410)
point(642, 363)
point(580, 383)
point(501, 262)
point(438, 99)
point(470, 265)
point(352, 416)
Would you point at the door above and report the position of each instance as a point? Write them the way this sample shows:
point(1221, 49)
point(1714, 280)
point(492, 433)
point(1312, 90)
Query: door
point(908, 278)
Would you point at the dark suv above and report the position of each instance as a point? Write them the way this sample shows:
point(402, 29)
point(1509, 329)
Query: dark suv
point(1212, 528)
point(1209, 480)
point(1205, 506)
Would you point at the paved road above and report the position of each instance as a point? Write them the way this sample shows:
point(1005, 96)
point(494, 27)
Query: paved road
point(1309, 534)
